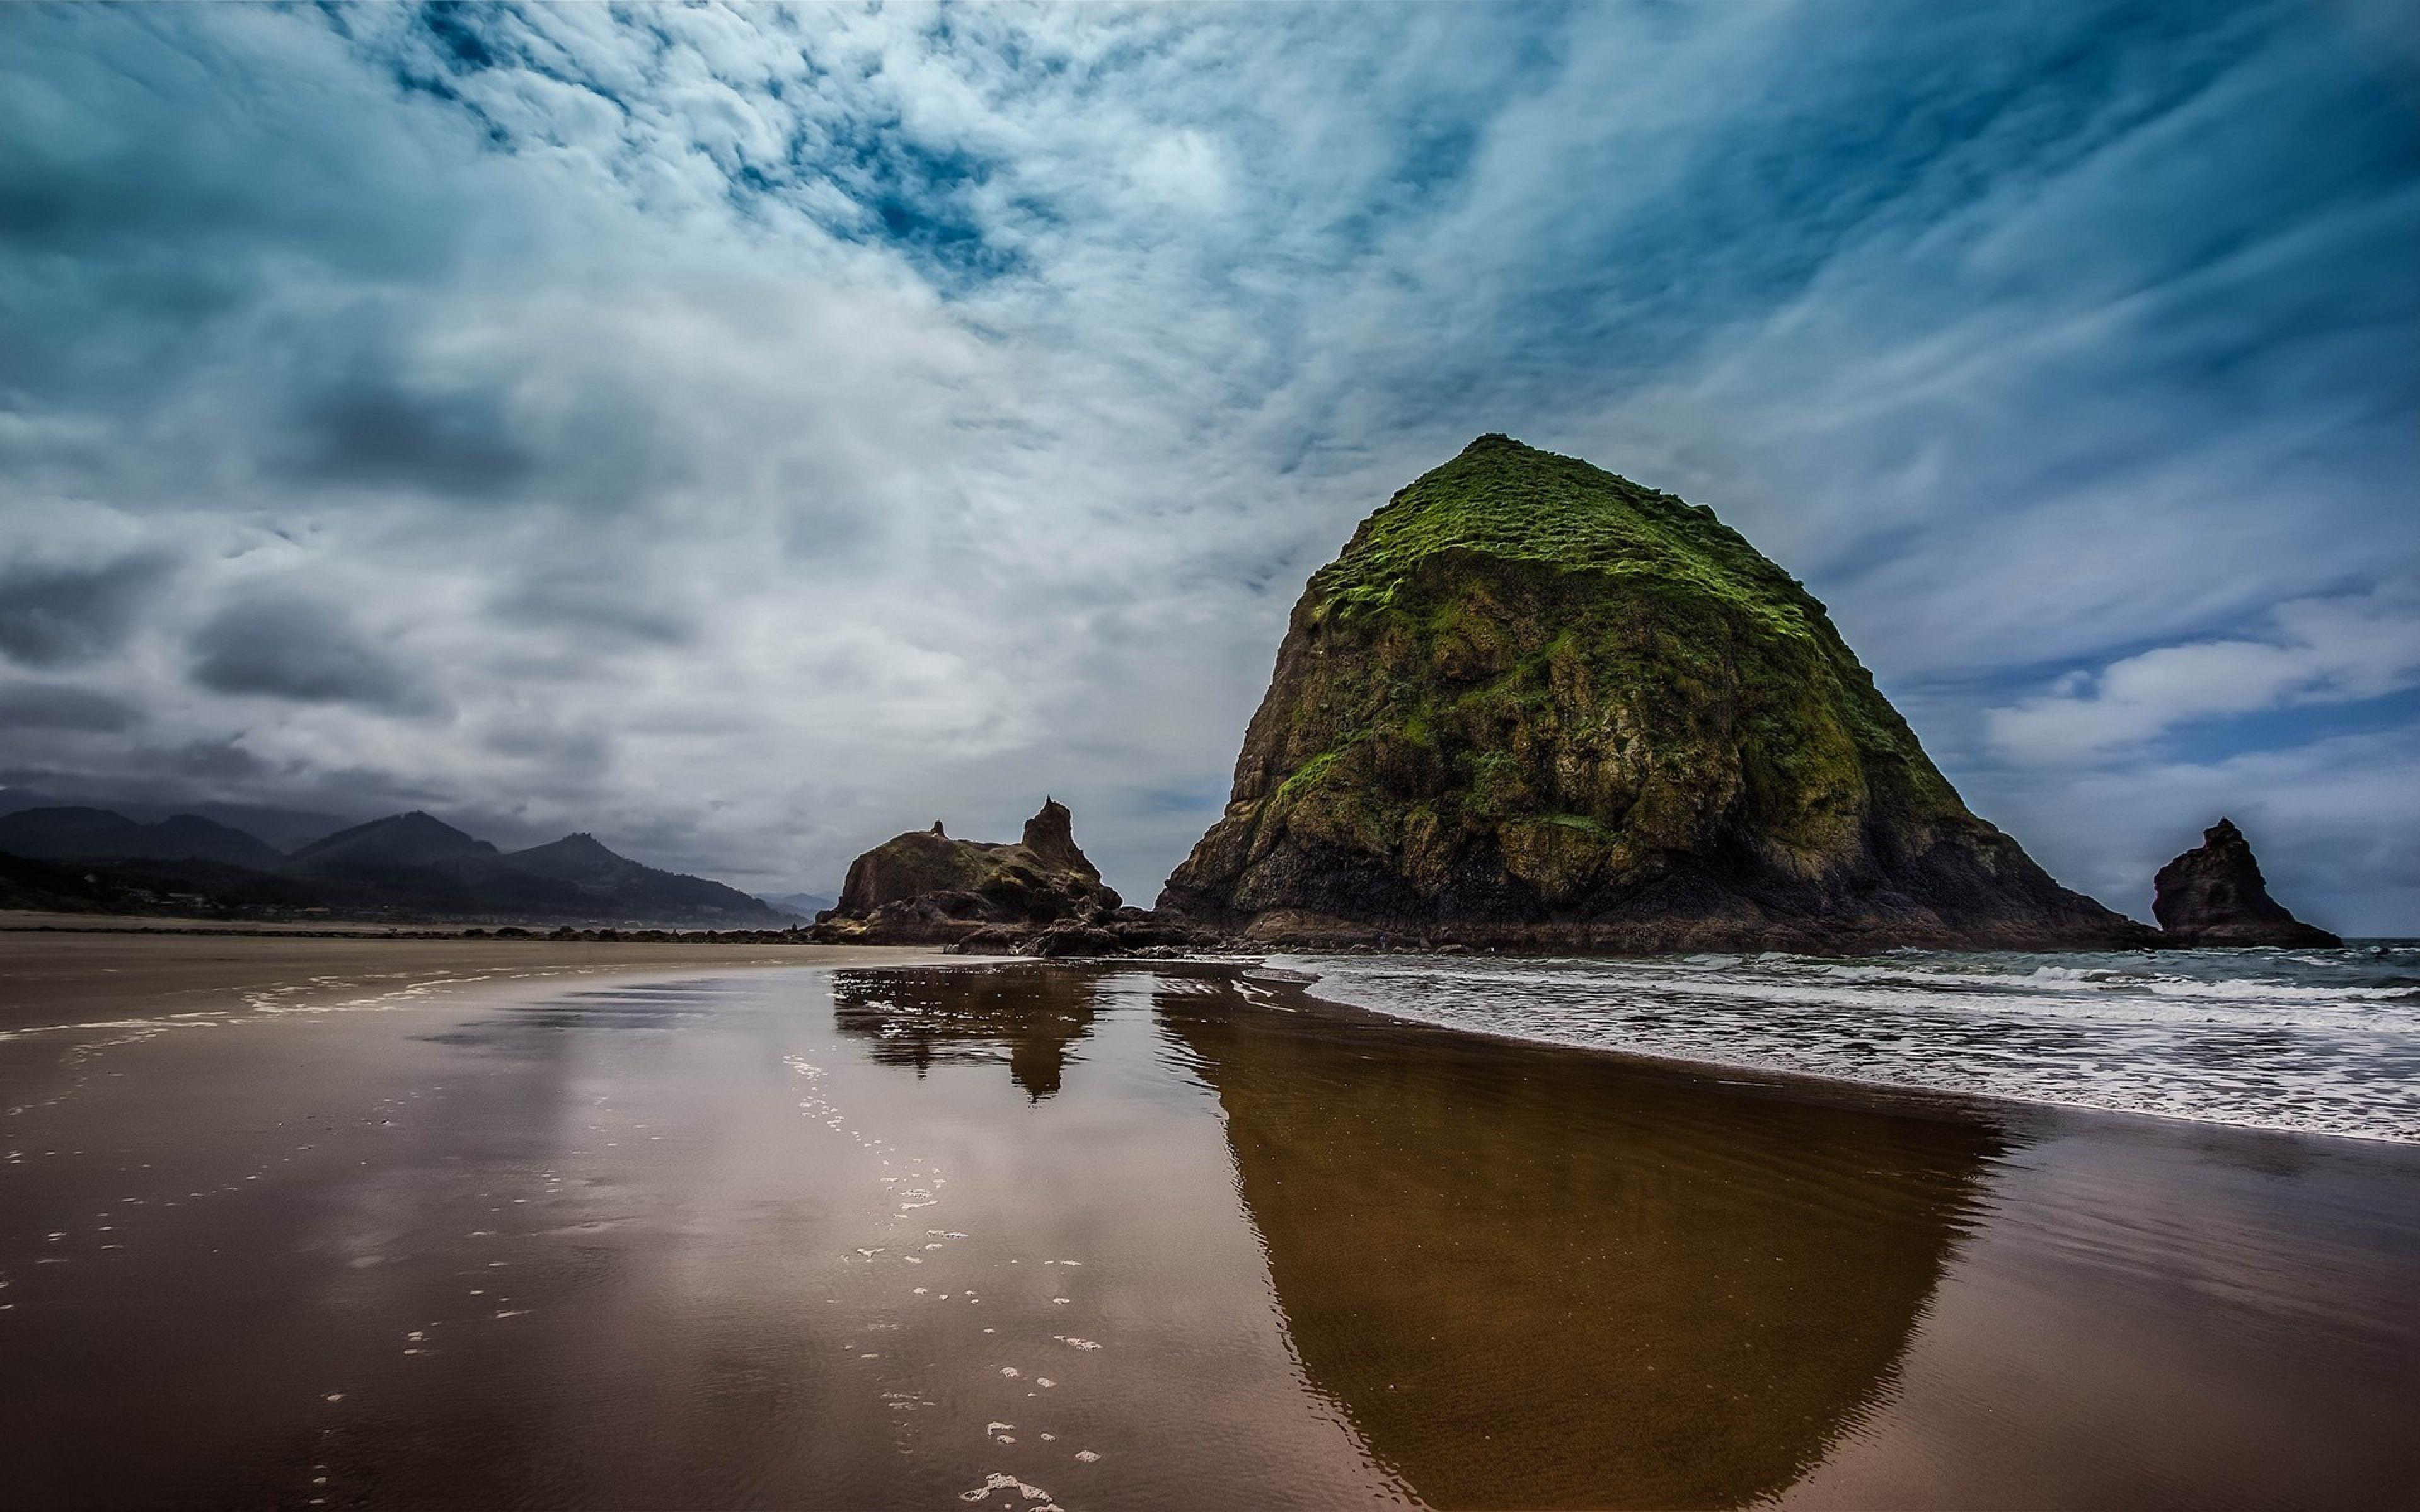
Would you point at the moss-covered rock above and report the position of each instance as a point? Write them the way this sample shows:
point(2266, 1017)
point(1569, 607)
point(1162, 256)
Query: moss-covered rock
point(1534, 703)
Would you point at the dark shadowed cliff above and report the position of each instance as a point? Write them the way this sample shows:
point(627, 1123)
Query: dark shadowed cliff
point(1534, 703)
point(2216, 895)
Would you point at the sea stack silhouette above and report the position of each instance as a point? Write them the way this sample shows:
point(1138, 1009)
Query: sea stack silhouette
point(1537, 705)
point(2215, 896)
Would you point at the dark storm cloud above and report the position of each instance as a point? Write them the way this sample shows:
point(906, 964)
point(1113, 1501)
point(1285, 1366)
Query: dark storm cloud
point(295, 648)
point(60, 707)
point(145, 772)
point(370, 430)
point(50, 616)
point(594, 599)
point(378, 405)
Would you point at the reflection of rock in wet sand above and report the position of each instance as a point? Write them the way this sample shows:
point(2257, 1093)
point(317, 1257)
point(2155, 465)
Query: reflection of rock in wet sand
point(917, 1018)
point(1531, 1277)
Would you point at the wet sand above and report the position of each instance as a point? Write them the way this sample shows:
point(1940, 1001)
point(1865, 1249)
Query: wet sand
point(51, 979)
point(89, 923)
point(1023, 1235)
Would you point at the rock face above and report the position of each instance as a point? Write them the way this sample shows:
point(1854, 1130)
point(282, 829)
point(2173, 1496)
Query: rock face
point(2216, 895)
point(1537, 705)
point(925, 888)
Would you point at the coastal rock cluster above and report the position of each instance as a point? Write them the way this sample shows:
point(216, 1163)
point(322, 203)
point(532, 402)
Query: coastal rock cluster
point(1038, 896)
point(1536, 705)
point(2216, 895)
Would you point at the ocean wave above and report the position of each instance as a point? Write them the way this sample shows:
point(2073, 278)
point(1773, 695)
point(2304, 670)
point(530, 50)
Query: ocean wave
point(2325, 1042)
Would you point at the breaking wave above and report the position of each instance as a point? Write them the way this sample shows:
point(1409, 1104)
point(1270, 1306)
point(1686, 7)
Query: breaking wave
point(2322, 1041)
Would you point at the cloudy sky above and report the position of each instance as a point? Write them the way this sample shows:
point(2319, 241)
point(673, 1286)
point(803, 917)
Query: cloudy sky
point(747, 434)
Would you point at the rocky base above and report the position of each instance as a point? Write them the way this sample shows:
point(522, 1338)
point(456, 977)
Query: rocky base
point(1130, 931)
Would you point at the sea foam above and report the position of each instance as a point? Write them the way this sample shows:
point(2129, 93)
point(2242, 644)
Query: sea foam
point(2314, 1041)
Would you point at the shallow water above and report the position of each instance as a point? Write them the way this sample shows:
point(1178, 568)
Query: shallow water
point(1026, 1235)
point(2323, 1041)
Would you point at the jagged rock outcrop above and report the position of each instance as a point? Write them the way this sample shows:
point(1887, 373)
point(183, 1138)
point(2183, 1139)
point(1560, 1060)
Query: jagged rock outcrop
point(1534, 704)
point(2216, 895)
point(925, 888)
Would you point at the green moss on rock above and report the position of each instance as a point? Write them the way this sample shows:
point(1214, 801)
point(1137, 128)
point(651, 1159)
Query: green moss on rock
point(1533, 702)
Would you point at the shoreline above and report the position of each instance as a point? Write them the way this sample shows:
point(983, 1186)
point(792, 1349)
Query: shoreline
point(1903, 1096)
point(52, 981)
point(39, 922)
point(358, 965)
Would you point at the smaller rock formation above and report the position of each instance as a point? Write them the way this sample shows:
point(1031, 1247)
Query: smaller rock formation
point(925, 888)
point(2215, 896)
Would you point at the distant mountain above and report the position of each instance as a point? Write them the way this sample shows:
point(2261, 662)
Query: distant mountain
point(408, 866)
point(75, 834)
point(416, 861)
point(405, 840)
point(413, 863)
point(804, 904)
point(287, 829)
point(621, 886)
point(282, 828)
point(138, 885)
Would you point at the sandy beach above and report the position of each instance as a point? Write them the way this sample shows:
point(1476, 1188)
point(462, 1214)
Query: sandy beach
point(56, 975)
point(853, 1230)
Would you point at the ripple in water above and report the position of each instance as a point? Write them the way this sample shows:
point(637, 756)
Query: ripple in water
point(2322, 1041)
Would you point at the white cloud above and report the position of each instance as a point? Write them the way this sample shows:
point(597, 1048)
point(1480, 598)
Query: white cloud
point(2331, 820)
point(2320, 651)
point(1184, 169)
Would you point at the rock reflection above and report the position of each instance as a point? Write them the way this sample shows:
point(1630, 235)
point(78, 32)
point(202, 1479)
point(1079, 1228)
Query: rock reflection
point(1025, 1015)
point(1534, 1278)
point(654, 1007)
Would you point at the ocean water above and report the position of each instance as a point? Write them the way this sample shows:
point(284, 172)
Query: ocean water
point(2323, 1041)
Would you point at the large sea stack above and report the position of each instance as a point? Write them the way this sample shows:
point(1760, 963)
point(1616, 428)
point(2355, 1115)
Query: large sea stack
point(2216, 895)
point(1538, 705)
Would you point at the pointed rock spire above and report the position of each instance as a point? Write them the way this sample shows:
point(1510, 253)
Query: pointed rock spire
point(1050, 835)
point(2216, 896)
